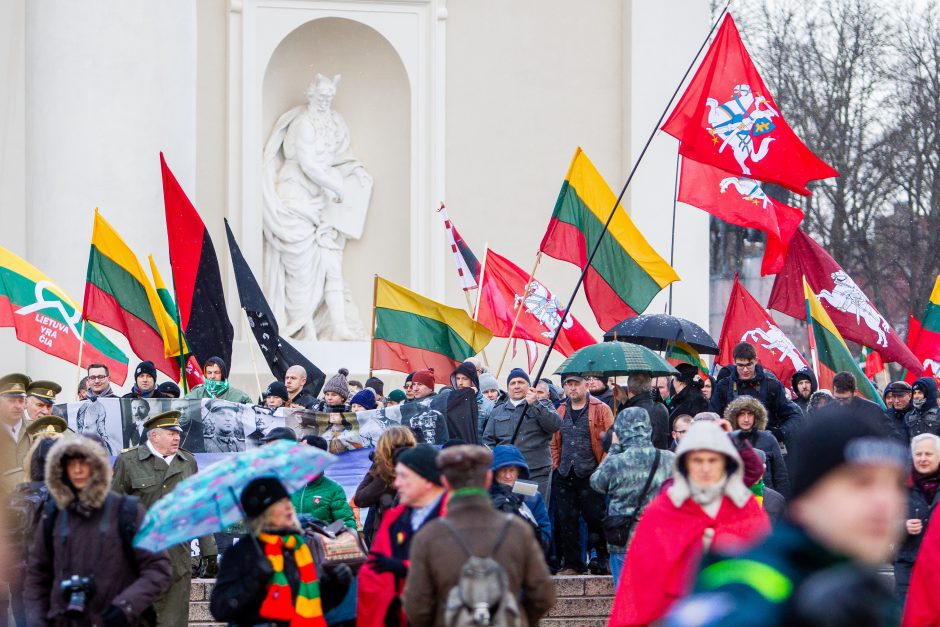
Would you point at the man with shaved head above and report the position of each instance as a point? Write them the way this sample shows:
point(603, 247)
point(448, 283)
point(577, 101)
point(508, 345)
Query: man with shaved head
point(294, 381)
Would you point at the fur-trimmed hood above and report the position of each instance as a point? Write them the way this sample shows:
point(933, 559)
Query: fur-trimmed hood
point(748, 403)
point(706, 435)
point(94, 494)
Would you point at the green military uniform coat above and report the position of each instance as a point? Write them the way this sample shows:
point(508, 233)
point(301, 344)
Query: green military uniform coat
point(140, 473)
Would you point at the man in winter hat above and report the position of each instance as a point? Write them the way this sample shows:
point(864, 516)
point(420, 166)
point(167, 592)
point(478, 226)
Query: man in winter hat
point(803, 383)
point(145, 382)
point(819, 566)
point(335, 392)
point(923, 418)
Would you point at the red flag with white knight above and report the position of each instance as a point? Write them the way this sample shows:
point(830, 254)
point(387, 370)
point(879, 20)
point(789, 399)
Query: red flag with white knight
point(742, 201)
point(503, 287)
point(747, 321)
point(923, 336)
point(728, 118)
point(851, 311)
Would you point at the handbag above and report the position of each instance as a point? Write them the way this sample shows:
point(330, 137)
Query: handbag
point(336, 544)
point(617, 527)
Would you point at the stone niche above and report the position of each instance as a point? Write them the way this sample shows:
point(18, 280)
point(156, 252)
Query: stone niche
point(393, 106)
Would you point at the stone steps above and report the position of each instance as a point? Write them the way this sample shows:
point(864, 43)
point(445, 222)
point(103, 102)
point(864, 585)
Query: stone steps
point(582, 602)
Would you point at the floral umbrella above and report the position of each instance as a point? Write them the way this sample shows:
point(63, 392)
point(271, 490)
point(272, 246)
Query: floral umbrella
point(208, 502)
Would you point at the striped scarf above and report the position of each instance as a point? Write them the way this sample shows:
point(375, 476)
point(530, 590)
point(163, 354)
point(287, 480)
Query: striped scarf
point(306, 610)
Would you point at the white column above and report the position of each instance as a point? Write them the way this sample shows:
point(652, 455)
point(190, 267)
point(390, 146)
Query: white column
point(109, 84)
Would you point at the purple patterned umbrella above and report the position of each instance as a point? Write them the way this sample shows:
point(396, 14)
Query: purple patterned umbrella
point(208, 502)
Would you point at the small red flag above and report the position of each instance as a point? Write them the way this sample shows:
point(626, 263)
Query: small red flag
point(747, 321)
point(503, 286)
point(728, 118)
point(851, 311)
point(925, 345)
point(742, 201)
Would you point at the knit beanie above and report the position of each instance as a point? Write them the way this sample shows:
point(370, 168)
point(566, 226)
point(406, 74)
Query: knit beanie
point(278, 389)
point(518, 373)
point(337, 384)
point(488, 382)
point(424, 377)
point(377, 385)
point(260, 494)
point(423, 460)
point(835, 437)
point(145, 367)
point(397, 396)
point(365, 398)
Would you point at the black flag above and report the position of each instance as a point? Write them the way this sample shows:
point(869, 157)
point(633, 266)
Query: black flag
point(279, 354)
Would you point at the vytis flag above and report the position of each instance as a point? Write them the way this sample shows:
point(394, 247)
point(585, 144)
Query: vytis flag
point(505, 287)
point(742, 201)
point(196, 276)
point(847, 305)
point(47, 318)
point(923, 337)
point(728, 118)
point(175, 334)
point(871, 362)
point(119, 295)
point(278, 352)
point(626, 272)
point(413, 332)
point(831, 351)
point(747, 321)
point(681, 353)
point(468, 266)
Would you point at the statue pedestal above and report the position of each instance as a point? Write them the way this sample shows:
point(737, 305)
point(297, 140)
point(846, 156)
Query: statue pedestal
point(328, 356)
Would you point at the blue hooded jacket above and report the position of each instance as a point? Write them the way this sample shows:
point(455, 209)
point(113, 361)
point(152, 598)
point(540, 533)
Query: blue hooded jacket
point(506, 455)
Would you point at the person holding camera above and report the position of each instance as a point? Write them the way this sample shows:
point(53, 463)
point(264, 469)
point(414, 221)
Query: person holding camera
point(83, 568)
point(630, 475)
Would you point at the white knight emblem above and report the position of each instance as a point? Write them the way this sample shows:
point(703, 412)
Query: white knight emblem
point(848, 298)
point(545, 307)
point(773, 339)
point(739, 122)
point(749, 189)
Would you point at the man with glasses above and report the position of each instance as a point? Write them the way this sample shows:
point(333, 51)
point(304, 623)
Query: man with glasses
point(843, 390)
point(679, 429)
point(99, 383)
point(750, 379)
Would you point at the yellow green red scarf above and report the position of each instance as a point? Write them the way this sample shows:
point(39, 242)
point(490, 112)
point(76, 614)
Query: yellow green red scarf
point(306, 610)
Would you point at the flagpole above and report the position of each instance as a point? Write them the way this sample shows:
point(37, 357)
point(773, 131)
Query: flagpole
point(672, 237)
point(812, 336)
point(254, 366)
point(476, 306)
point(81, 348)
point(613, 211)
point(179, 332)
point(519, 308)
point(375, 295)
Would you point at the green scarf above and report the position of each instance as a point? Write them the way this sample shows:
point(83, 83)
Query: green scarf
point(216, 388)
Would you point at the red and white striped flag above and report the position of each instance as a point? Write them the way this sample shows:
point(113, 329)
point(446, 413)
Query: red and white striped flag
point(468, 266)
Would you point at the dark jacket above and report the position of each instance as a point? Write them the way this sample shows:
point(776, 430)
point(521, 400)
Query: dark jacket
point(535, 435)
point(375, 494)
point(774, 505)
point(894, 419)
point(735, 591)
point(924, 419)
point(92, 546)
point(136, 393)
point(917, 507)
point(689, 401)
point(304, 399)
point(659, 418)
point(782, 415)
point(600, 420)
point(242, 585)
point(776, 475)
point(799, 375)
point(431, 578)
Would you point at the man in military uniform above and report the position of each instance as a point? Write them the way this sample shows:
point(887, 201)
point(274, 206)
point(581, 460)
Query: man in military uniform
point(46, 426)
point(12, 424)
point(40, 397)
point(149, 471)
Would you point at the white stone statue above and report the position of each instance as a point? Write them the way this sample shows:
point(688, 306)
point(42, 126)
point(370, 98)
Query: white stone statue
point(316, 195)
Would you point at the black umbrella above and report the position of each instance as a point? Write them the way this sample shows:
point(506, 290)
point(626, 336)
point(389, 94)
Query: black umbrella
point(657, 331)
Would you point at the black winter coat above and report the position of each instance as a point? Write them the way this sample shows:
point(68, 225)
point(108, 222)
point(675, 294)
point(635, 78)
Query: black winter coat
point(242, 585)
point(689, 401)
point(917, 507)
point(782, 414)
point(659, 418)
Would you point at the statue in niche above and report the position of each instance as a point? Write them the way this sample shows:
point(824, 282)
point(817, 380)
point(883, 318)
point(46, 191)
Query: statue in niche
point(316, 195)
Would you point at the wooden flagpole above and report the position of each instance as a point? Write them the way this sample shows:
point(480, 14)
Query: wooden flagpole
point(254, 366)
point(375, 294)
point(519, 307)
point(475, 307)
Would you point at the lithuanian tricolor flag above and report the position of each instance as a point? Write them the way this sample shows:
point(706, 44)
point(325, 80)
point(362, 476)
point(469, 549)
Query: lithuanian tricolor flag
point(176, 336)
point(626, 272)
point(682, 353)
point(831, 351)
point(416, 333)
point(923, 336)
point(119, 295)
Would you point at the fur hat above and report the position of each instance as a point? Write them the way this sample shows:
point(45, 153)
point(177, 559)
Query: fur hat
point(72, 447)
point(337, 384)
point(746, 403)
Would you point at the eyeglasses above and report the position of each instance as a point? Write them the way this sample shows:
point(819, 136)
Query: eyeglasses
point(590, 378)
point(97, 377)
point(746, 365)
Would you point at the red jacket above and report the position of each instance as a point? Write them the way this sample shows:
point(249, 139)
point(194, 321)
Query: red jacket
point(922, 608)
point(665, 550)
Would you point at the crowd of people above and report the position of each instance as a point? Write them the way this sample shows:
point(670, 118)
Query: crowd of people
point(728, 500)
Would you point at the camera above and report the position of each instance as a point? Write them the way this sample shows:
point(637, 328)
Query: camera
point(77, 590)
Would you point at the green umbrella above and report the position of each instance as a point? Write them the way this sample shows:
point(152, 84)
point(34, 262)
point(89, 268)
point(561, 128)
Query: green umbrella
point(614, 359)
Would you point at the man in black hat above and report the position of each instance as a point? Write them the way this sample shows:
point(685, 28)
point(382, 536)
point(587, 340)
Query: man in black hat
point(150, 471)
point(145, 382)
point(819, 567)
point(897, 397)
point(275, 396)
